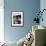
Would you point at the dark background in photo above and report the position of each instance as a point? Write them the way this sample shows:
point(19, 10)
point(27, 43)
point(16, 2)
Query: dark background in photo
point(17, 19)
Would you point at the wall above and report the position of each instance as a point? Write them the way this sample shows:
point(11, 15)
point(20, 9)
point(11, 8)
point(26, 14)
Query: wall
point(30, 7)
point(1, 20)
point(43, 6)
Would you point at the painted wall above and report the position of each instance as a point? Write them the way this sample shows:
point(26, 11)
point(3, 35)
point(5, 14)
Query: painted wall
point(30, 7)
point(1, 20)
point(43, 6)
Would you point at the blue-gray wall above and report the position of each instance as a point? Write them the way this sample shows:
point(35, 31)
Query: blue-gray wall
point(43, 6)
point(30, 7)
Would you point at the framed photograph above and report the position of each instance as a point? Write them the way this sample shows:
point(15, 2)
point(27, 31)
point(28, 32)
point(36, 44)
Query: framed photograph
point(17, 18)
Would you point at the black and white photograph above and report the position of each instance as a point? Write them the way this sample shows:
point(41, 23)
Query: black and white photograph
point(17, 18)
